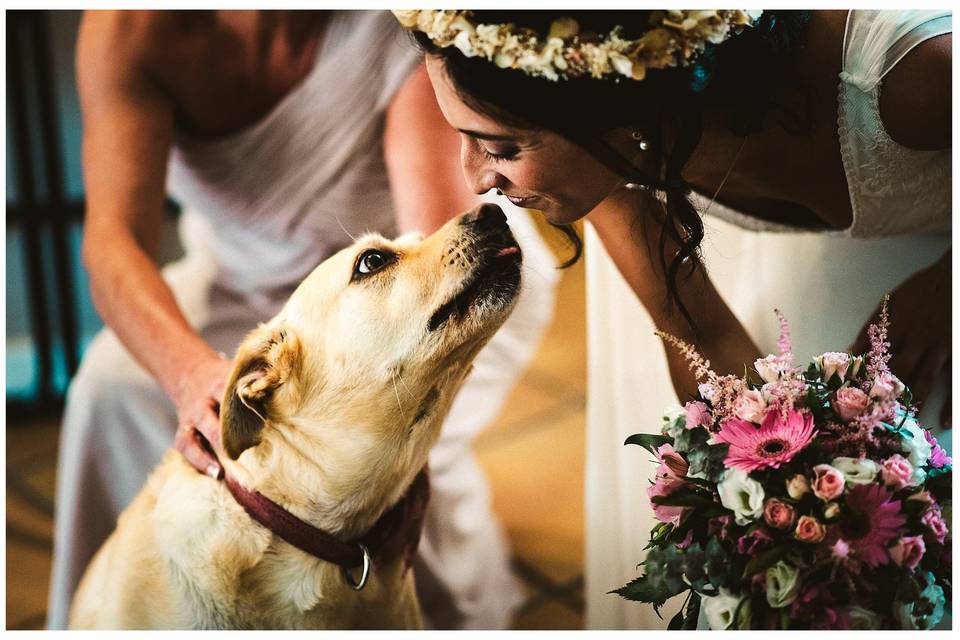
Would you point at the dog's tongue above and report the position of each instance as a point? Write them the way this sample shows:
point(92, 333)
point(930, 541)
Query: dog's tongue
point(506, 251)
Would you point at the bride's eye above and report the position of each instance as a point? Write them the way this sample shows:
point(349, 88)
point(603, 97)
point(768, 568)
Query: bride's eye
point(499, 153)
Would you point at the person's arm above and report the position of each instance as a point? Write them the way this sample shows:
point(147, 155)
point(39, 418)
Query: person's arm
point(422, 154)
point(127, 135)
point(630, 239)
point(916, 110)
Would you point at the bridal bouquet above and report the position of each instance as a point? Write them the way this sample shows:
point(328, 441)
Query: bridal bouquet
point(799, 499)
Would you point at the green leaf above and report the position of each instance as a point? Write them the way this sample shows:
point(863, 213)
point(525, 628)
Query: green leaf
point(690, 498)
point(764, 560)
point(693, 612)
point(643, 589)
point(676, 622)
point(649, 441)
point(690, 439)
point(659, 534)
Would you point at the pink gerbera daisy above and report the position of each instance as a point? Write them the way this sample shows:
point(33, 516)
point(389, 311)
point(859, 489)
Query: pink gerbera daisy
point(775, 442)
point(870, 521)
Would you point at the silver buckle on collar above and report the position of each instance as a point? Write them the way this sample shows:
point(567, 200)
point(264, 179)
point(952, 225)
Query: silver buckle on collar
point(357, 586)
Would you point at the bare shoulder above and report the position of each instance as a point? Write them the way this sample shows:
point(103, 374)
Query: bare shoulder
point(119, 43)
point(915, 97)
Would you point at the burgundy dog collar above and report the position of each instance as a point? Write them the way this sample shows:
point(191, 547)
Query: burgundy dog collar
point(395, 533)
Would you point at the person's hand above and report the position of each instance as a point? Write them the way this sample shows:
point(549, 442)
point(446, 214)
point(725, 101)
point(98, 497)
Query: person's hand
point(198, 414)
point(919, 334)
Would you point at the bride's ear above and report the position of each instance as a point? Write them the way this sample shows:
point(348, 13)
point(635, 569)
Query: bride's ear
point(266, 360)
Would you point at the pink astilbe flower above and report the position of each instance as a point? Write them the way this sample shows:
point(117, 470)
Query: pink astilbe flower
point(698, 364)
point(785, 391)
point(879, 355)
point(776, 442)
point(784, 342)
point(863, 433)
point(870, 521)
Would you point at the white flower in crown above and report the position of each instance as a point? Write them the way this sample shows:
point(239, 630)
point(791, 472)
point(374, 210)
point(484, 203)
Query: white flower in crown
point(675, 37)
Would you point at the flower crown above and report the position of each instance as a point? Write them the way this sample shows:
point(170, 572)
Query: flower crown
point(674, 38)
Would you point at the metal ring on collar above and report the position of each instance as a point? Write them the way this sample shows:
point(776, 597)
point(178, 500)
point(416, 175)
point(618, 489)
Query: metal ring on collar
point(357, 586)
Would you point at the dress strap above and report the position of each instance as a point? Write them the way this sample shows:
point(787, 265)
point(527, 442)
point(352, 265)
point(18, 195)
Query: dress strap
point(875, 41)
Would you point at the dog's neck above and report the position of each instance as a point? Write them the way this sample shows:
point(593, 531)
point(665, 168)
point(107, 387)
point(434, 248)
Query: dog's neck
point(343, 502)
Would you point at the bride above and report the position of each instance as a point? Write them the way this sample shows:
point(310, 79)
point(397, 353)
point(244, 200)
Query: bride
point(753, 145)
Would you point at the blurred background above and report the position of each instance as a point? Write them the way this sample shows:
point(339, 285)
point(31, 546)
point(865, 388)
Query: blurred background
point(533, 453)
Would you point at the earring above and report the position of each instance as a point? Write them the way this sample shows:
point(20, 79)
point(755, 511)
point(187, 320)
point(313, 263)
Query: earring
point(641, 141)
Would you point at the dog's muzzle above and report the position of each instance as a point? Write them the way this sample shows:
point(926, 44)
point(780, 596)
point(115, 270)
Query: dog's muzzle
point(495, 280)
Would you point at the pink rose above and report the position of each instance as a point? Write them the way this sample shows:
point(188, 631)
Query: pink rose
point(908, 551)
point(750, 406)
point(896, 472)
point(886, 386)
point(827, 482)
point(698, 415)
point(831, 363)
point(809, 530)
point(672, 465)
point(850, 402)
point(934, 521)
point(779, 514)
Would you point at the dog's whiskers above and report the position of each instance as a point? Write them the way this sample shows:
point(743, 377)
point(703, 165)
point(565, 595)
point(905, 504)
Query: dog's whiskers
point(397, 393)
point(349, 235)
point(405, 387)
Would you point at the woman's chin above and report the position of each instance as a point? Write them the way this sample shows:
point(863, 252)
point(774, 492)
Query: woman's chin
point(560, 214)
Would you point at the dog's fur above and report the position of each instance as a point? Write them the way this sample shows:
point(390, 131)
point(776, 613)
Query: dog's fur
point(330, 411)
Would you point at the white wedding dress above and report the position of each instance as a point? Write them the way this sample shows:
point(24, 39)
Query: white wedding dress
point(826, 284)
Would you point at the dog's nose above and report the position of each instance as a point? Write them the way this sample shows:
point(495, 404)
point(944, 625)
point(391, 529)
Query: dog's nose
point(485, 214)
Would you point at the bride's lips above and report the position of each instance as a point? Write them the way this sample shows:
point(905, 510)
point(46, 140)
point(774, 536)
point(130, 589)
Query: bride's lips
point(522, 202)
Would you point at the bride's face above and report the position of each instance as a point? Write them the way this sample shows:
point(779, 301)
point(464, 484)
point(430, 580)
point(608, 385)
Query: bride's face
point(535, 169)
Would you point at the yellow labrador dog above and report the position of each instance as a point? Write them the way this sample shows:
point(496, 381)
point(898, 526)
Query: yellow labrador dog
point(327, 418)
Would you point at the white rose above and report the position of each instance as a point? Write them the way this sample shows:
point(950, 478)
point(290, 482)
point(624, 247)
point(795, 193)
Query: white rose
point(742, 495)
point(798, 486)
point(783, 585)
point(721, 609)
point(863, 619)
point(832, 362)
point(856, 470)
point(768, 368)
point(750, 406)
point(916, 445)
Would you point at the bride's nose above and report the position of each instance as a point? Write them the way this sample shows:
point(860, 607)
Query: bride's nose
point(485, 181)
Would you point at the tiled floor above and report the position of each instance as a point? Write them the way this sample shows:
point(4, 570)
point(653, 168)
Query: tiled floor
point(533, 455)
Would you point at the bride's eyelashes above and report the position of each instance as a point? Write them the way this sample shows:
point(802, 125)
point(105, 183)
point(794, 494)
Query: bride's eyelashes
point(498, 155)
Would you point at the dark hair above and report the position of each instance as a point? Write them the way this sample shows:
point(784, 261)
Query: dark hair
point(742, 77)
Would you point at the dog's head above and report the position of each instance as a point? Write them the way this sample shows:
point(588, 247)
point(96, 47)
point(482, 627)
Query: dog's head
point(363, 361)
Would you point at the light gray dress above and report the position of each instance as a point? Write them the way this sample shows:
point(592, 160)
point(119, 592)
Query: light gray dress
point(262, 208)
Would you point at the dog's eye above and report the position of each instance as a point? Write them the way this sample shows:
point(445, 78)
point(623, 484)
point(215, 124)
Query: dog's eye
point(371, 260)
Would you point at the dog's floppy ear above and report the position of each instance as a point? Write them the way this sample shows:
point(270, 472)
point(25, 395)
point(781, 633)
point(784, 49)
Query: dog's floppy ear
point(263, 364)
